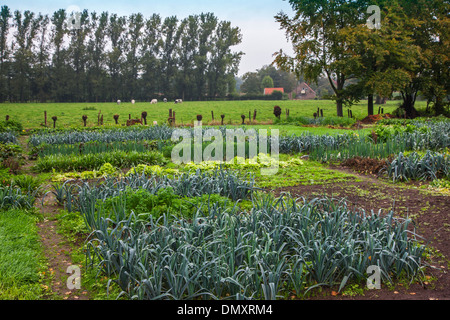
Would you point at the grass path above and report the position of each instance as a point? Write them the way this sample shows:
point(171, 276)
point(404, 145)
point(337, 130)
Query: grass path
point(57, 251)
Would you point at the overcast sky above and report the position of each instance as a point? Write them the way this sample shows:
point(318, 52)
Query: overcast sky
point(262, 36)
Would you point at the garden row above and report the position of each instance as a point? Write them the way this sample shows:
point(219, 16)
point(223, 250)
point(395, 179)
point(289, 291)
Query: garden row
point(250, 246)
point(205, 230)
point(87, 150)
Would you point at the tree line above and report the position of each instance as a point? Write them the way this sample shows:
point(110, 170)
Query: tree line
point(408, 52)
point(267, 77)
point(93, 57)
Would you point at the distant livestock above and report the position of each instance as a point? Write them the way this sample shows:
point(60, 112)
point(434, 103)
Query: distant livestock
point(154, 101)
point(132, 101)
point(118, 101)
point(165, 100)
point(178, 101)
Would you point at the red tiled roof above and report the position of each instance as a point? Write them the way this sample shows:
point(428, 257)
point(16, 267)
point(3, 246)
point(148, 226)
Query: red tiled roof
point(271, 90)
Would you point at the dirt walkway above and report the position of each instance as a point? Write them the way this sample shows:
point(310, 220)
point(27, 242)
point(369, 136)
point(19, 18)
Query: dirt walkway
point(56, 250)
point(429, 211)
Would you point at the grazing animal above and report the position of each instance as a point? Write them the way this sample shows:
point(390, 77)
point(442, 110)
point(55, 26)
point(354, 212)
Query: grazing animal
point(118, 101)
point(154, 101)
point(178, 101)
point(132, 101)
point(165, 100)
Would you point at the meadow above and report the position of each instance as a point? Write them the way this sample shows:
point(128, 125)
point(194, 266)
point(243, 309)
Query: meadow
point(31, 115)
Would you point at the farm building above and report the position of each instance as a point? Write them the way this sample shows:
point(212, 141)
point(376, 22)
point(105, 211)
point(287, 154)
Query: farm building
point(303, 92)
point(268, 91)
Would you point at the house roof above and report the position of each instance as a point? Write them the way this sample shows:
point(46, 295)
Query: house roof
point(304, 83)
point(271, 90)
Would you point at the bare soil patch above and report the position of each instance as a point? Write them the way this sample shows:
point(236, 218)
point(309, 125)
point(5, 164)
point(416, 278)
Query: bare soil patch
point(364, 165)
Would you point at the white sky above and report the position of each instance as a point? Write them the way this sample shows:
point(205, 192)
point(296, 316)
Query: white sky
point(262, 36)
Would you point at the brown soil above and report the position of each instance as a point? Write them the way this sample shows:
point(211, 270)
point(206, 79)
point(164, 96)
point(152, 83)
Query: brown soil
point(429, 211)
point(364, 165)
point(57, 252)
point(56, 249)
point(376, 117)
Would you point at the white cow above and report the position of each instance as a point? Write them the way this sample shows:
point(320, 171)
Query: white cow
point(178, 101)
point(132, 101)
point(154, 101)
point(165, 100)
point(118, 101)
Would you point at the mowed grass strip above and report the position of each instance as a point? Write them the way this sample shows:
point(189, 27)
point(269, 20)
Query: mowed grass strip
point(31, 115)
point(21, 256)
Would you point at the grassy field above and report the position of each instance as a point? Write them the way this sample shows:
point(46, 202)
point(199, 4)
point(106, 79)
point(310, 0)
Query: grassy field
point(21, 257)
point(31, 115)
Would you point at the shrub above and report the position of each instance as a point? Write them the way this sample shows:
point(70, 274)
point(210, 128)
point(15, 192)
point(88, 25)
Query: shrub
point(26, 183)
point(10, 125)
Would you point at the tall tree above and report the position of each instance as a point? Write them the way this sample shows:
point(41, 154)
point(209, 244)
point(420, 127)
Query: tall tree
point(132, 57)
point(42, 84)
point(5, 15)
point(251, 83)
point(187, 51)
point(223, 61)
point(267, 82)
point(151, 48)
point(78, 56)
point(172, 35)
point(314, 33)
point(431, 27)
point(60, 72)
point(96, 60)
point(107, 57)
point(116, 33)
point(208, 23)
point(23, 58)
point(382, 59)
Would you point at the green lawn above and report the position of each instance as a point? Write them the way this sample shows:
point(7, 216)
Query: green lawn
point(31, 115)
point(21, 256)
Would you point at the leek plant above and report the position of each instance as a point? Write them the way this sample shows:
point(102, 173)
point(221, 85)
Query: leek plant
point(84, 195)
point(12, 197)
point(92, 161)
point(280, 245)
point(92, 147)
point(8, 137)
point(431, 166)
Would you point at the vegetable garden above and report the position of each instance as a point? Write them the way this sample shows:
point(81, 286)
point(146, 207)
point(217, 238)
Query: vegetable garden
point(153, 229)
